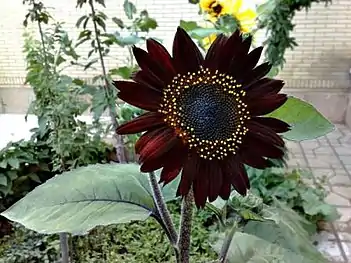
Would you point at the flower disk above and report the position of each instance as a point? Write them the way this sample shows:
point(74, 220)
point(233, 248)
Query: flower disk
point(204, 116)
point(194, 104)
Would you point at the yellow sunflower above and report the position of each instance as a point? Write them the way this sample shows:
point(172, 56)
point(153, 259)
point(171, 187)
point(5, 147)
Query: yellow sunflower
point(246, 17)
point(216, 8)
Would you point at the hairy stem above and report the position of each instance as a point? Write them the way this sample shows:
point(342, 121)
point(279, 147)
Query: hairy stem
point(185, 227)
point(64, 248)
point(112, 113)
point(162, 209)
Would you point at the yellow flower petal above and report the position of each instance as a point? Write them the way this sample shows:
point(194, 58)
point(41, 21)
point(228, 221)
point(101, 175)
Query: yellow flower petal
point(207, 41)
point(205, 5)
point(247, 20)
point(236, 6)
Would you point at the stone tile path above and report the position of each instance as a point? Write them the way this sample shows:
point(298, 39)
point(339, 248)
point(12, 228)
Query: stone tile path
point(329, 158)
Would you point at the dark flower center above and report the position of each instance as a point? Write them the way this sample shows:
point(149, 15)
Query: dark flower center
point(206, 110)
point(209, 111)
point(217, 8)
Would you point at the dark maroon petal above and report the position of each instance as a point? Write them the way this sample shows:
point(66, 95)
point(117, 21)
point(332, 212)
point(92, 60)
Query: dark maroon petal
point(142, 123)
point(273, 123)
point(157, 51)
point(243, 63)
point(146, 137)
point(233, 49)
point(152, 66)
point(143, 77)
point(265, 105)
point(225, 190)
point(187, 57)
point(215, 177)
point(234, 171)
point(264, 133)
point(213, 54)
point(175, 156)
point(202, 183)
point(160, 144)
point(256, 74)
point(251, 158)
point(254, 57)
point(189, 172)
point(139, 95)
point(263, 87)
point(262, 147)
point(172, 168)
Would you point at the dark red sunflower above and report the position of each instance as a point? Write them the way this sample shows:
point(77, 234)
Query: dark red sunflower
point(205, 115)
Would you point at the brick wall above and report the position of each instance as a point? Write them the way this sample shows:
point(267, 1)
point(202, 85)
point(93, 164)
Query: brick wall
point(323, 57)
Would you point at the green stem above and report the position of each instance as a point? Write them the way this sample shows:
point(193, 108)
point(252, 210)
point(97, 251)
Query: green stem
point(64, 248)
point(226, 244)
point(162, 208)
point(185, 227)
point(167, 222)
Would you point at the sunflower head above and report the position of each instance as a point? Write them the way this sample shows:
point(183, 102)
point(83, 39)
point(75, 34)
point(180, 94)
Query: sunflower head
point(216, 8)
point(244, 17)
point(205, 116)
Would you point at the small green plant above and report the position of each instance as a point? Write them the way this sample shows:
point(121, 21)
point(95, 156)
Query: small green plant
point(290, 187)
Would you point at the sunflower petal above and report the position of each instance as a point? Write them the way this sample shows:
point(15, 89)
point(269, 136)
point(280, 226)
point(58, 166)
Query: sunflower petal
point(263, 147)
point(267, 104)
point(146, 137)
point(275, 124)
point(254, 160)
point(234, 171)
point(263, 87)
point(142, 123)
point(138, 95)
point(201, 184)
point(169, 173)
point(264, 133)
point(215, 177)
point(146, 79)
point(257, 73)
point(158, 145)
point(225, 190)
point(212, 59)
point(152, 66)
point(187, 57)
point(159, 52)
point(171, 159)
point(190, 170)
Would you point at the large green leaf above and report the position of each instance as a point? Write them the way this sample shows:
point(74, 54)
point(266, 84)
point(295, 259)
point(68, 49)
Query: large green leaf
point(78, 200)
point(307, 123)
point(283, 215)
point(282, 236)
point(246, 248)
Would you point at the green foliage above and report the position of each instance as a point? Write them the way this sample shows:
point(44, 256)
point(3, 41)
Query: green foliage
point(95, 31)
point(114, 243)
point(225, 24)
point(284, 234)
point(291, 189)
point(279, 25)
point(306, 122)
point(98, 195)
point(26, 246)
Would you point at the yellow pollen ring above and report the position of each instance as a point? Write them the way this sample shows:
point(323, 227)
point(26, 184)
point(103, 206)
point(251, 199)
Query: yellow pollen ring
point(207, 149)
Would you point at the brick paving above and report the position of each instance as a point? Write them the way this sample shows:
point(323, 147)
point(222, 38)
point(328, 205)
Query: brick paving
point(329, 158)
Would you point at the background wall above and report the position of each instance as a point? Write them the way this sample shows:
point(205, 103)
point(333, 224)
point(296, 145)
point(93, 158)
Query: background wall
point(317, 70)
